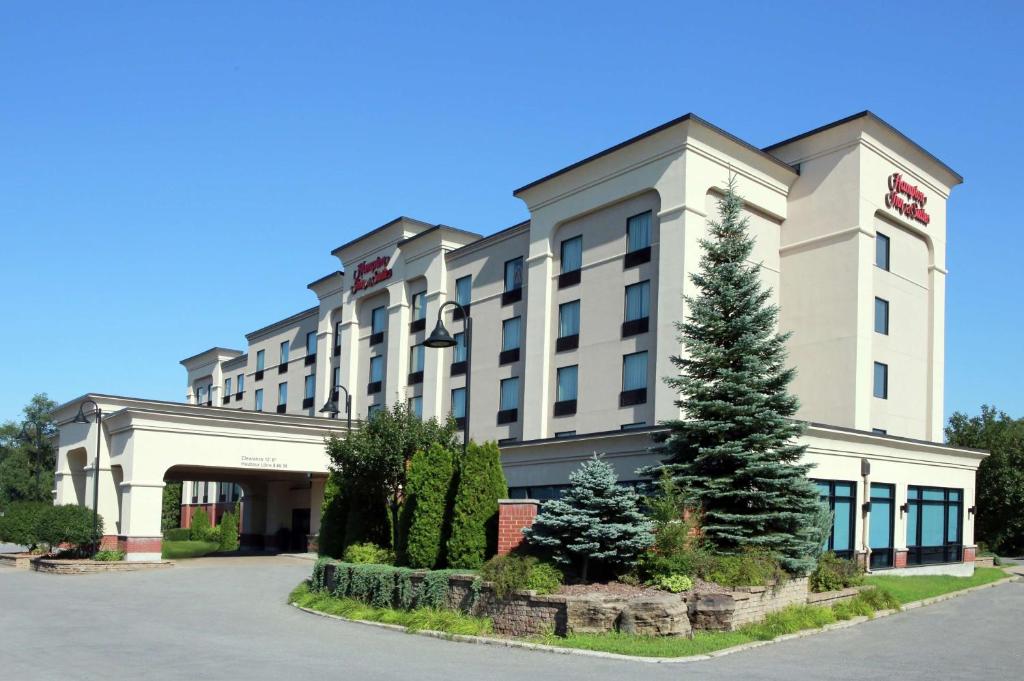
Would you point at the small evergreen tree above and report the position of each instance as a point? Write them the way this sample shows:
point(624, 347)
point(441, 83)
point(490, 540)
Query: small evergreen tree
point(425, 513)
point(596, 520)
point(199, 528)
point(229, 531)
point(333, 517)
point(735, 449)
point(481, 482)
point(170, 516)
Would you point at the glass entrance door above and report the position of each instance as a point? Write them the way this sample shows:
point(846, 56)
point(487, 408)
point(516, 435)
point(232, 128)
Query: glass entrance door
point(880, 528)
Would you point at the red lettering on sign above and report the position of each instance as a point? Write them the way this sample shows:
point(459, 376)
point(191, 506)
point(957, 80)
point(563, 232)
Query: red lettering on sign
point(371, 272)
point(907, 199)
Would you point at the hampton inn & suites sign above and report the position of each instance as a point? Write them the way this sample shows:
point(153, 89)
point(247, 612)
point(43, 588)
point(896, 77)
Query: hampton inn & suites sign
point(907, 199)
point(370, 272)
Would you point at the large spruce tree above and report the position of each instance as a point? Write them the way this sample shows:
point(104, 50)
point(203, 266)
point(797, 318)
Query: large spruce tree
point(735, 449)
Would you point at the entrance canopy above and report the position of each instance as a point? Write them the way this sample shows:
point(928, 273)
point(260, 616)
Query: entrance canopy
point(143, 442)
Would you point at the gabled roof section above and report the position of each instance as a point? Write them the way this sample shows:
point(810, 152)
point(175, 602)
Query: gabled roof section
point(213, 352)
point(288, 321)
point(390, 223)
point(880, 121)
point(632, 140)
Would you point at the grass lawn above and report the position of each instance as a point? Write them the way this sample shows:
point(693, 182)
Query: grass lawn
point(448, 621)
point(175, 550)
point(908, 589)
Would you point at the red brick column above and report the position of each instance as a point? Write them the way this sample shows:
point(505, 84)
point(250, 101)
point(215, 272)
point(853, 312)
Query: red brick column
point(108, 542)
point(150, 546)
point(970, 553)
point(513, 516)
point(901, 558)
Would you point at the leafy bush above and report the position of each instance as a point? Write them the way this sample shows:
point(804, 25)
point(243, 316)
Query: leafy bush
point(228, 532)
point(20, 522)
point(515, 572)
point(750, 568)
point(481, 482)
point(178, 534)
point(425, 512)
point(384, 586)
point(200, 529)
point(69, 524)
point(834, 573)
point(109, 556)
point(368, 553)
point(674, 583)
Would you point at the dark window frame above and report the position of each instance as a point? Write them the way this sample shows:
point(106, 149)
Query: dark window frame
point(948, 552)
point(885, 381)
point(885, 323)
point(831, 500)
point(884, 558)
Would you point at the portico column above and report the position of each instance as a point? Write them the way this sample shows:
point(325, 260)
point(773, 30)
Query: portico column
point(141, 510)
point(535, 401)
point(396, 369)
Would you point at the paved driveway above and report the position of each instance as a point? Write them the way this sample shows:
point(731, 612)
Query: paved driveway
point(225, 618)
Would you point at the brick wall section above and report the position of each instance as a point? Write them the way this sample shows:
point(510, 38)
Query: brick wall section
point(901, 558)
point(140, 544)
point(970, 553)
point(513, 516)
point(109, 542)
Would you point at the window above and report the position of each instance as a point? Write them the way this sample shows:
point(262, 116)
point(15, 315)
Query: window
point(934, 531)
point(372, 410)
point(459, 403)
point(879, 431)
point(840, 497)
point(201, 395)
point(566, 383)
point(463, 290)
point(227, 388)
point(377, 368)
point(259, 399)
point(572, 254)
point(882, 316)
point(514, 274)
point(566, 390)
point(633, 426)
point(510, 333)
point(638, 309)
point(638, 232)
point(881, 250)
point(459, 351)
point(880, 525)
point(335, 379)
point(510, 339)
point(419, 305)
point(417, 357)
point(509, 394)
point(260, 359)
point(378, 320)
point(240, 384)
point(881, 381)
point(282, 394)
point(564, 433)
point(285, 349)
point(568, 326)
point(416, 406)
point(310, 387)
point(337, 338)
point(634, 379)
point(311, 343)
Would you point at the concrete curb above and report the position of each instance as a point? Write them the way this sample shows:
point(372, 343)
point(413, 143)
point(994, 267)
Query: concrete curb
point(559, 650)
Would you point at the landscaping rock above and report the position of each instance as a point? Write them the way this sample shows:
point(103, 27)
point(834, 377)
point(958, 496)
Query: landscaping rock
point(656, 616)
point(593, 613)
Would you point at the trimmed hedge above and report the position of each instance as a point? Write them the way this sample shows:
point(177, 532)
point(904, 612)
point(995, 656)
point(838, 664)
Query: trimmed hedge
point(178, 534)
point(228, 531)
point(20, 522)
point(424, 513)
point(32, 523)
point(475, 514)
point(200, 528)
point(384, 586)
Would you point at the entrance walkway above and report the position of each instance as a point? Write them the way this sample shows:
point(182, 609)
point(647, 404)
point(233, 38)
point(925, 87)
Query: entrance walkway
point(226, 618)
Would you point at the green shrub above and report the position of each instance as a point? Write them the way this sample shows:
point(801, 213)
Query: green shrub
point(177, 534)
point(20, 522)
point(228, 531)
point(69, 524)
point(368, 553)
point(474, 529)
point(515, 572)
point(333, 517)
point(109, 556)
point(834, 573)
point(750, 568)
point(200, 529)
point(674, 583)
point(425, 512)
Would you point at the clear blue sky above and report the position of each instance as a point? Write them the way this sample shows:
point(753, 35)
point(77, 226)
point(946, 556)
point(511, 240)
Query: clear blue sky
point(171, 177)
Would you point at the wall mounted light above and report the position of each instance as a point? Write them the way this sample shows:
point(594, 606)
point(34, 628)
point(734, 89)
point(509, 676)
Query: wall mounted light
point(972, 510)
point(903, 509)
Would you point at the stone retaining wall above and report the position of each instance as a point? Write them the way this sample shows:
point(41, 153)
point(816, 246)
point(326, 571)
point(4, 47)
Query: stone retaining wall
point(21, 561)
point(828, 598)
point(743, 605)
point(84, 567)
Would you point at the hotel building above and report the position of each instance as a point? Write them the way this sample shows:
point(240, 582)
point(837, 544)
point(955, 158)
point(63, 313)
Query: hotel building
point(573, 316)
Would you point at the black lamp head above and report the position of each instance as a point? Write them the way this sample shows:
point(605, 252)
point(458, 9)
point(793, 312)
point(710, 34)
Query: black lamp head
point(330, 408)
point(439, 337)
point(81, 416)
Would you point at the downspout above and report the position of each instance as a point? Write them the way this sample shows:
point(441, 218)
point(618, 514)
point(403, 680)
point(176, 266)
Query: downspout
point(865, 471)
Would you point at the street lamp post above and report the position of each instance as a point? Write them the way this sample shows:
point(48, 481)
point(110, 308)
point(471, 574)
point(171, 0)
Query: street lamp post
point(332, 405)
point(82, 417)
point(440, 338)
